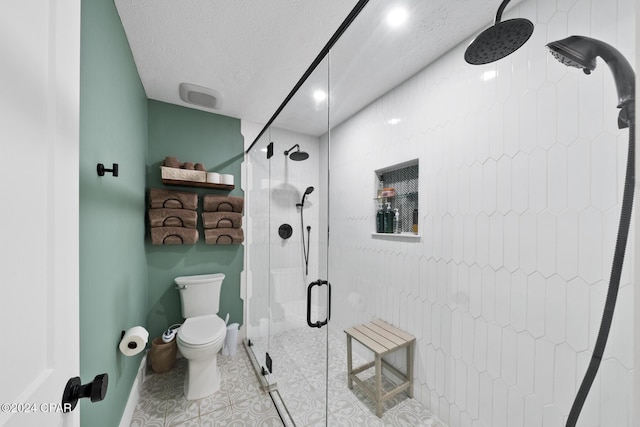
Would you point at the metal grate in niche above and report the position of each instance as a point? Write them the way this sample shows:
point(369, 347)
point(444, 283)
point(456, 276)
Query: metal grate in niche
point(405, 182)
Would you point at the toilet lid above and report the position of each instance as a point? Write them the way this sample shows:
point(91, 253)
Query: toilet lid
point(201, 329)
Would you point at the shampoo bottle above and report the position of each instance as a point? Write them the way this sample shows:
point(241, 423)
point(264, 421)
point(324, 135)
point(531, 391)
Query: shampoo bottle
point(380, 218)
point(388, 219)
point(396, 221)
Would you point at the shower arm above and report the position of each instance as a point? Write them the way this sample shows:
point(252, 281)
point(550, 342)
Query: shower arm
point(503, 5)
point(286, 153)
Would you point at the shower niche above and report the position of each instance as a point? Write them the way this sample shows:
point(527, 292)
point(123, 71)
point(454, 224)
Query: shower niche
point(397, 188)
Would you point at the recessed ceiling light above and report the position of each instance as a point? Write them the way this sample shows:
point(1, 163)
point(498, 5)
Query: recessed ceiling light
point(319, 95)
point(489, 75)
point(397, 16)
point(394, 121)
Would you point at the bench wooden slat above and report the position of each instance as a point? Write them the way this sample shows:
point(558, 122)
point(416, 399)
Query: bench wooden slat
point(395, 331)
point(380, 339)
point(366, 341)
point(397, 341)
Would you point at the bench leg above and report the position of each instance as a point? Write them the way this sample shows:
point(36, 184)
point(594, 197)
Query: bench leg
point(349, 363)
point(379, 386)
point(410, 350)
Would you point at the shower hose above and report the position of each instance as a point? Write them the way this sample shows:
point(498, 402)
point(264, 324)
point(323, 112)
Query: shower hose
point(614, 282)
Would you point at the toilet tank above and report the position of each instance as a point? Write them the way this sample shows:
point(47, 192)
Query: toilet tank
point(200, 295)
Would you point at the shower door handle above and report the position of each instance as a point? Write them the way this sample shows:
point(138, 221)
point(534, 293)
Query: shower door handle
point(318, 324)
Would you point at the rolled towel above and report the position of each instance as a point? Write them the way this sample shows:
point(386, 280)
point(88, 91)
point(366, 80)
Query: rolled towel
point(159, 198)
point(171, 162)
point(173, 236)
point(164, 217)
point(188, 166)
point(223, 236)
point(221, 219)
point(199, 167)
point(215, 203)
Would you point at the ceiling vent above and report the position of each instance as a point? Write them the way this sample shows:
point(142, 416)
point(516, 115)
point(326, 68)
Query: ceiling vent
point(200, 96)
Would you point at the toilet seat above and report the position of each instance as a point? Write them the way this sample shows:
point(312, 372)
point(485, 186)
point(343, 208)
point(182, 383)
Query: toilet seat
point(201, 331)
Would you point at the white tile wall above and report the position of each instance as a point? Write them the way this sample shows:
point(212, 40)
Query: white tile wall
point(276, 266)
point(520, 187)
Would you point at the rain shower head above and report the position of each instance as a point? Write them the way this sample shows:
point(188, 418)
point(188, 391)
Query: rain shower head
point(581, 52)
point(499, 40)
point(296, 155)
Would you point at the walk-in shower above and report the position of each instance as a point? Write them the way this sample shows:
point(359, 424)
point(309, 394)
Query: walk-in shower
point(517, 210)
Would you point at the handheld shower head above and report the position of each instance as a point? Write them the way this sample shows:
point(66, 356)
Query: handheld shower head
point(296, 155)
point(308, 191)
point(581, 52)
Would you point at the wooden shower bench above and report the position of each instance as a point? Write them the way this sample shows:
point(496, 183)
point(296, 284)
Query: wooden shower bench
point(382, 339)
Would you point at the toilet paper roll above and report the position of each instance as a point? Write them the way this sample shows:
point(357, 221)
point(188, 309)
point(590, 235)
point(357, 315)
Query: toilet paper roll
point(134, 341)
point(226, 178)
point(213, 177)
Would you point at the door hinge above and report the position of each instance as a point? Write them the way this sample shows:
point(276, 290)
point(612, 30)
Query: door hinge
point(269, 363)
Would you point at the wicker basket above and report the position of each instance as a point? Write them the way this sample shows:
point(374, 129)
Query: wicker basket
point(162, 355)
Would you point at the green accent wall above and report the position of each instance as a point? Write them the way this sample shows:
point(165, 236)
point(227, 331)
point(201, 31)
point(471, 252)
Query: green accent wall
point(113, 267)
point(198, 137)
point(125, 280)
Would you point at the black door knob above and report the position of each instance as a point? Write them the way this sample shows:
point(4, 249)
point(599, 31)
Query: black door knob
point(74, 390)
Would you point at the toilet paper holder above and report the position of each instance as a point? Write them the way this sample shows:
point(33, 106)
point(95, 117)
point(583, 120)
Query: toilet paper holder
point(133, 341)
point(131, 345)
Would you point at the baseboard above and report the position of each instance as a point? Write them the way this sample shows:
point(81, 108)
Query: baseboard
point(134, 395)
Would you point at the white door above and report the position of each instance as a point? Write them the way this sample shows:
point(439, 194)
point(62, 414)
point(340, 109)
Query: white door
point(39, 136)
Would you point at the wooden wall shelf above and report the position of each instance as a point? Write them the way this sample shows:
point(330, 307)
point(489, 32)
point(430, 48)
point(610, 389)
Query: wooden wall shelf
point(197, 184)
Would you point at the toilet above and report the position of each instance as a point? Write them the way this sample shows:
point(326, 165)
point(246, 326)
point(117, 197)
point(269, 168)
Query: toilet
point(202, 334)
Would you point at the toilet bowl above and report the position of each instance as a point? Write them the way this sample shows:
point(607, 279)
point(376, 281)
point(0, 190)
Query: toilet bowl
point(202, 334)
point(199, 341)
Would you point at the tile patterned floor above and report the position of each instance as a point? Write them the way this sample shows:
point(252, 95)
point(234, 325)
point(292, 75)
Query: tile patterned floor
point(295, 353)
point(239, 402)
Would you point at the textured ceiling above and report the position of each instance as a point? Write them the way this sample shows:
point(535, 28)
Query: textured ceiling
point(253, 52)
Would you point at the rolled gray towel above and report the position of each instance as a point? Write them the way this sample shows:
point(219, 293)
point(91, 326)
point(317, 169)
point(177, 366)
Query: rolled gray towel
point(221, 219)
point(215, 203)
point(171, 162)
point(173, 236)
point(160, 198)
point(164, 217)
point(223, 236)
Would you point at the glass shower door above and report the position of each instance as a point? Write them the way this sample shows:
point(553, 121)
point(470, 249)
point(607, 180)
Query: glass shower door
point(297, 255)
point(257, 252)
